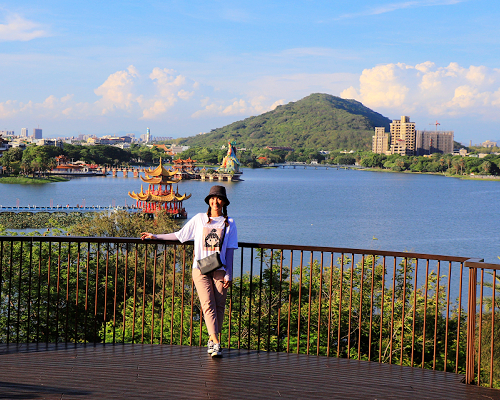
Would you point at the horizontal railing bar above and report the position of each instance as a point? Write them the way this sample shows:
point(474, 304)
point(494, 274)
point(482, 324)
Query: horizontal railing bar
point(86, 239)
point(355, 251)
point(480, 264)
point(79, 239)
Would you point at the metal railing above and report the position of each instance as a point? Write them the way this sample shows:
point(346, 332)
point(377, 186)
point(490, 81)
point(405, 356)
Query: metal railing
point(420, 310)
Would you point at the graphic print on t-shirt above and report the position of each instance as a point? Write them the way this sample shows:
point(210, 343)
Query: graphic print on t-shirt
point(211, 241)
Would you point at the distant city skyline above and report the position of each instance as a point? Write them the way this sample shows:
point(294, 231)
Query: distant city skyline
point(182, 68)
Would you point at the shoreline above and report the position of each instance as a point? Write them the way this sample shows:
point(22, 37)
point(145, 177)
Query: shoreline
point(23, 180)
point(463, 177)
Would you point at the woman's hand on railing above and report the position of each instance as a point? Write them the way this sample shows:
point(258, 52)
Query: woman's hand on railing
point(147, 235)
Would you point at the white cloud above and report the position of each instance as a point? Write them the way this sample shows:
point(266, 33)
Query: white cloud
point(184, 95)
point(16, 28)
point(9, 108)
point(156, 107)
point(126, 92)
point(425, 88)
point(52, 107)
point(166, 81)
point(168, 91)
point(117, 91)
point(237, 107)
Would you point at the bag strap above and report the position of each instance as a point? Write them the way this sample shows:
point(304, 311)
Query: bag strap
point(223, 236)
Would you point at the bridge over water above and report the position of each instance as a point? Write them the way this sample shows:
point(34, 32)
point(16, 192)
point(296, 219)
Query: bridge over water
point(68, 209)
point(295, 165)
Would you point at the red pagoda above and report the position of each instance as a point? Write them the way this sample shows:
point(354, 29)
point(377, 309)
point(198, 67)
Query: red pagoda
point(160, 194)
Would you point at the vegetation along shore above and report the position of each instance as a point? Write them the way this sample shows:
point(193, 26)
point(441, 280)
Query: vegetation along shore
point(317, 129)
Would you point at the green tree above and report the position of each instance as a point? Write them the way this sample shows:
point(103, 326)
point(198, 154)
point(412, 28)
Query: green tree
point(36, 159)
point(373, 160)
point(124, 224)
point(345, 159)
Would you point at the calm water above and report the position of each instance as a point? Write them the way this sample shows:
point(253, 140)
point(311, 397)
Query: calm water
point(356, 209)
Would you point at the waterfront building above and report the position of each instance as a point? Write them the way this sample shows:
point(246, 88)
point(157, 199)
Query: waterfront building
point(66, 167)
point(37, 133)
point(184, 169)
point(160, 194)
point(429, 142)
point(403, 137)
point(380, 141)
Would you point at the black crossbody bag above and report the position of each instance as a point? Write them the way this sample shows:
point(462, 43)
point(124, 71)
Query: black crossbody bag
point(213, 261)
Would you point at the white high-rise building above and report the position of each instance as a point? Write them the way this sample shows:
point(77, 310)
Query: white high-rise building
point(24, 132)
point(380, 142)
point(403, 137)
point(148, 135)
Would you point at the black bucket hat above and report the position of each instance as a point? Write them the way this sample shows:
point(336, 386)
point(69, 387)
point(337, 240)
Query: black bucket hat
point(219, 191)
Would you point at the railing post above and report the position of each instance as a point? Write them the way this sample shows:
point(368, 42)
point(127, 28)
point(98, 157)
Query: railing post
point(471, 323)
point(471, 327)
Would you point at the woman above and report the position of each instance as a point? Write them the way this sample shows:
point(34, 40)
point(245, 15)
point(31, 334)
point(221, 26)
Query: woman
point(209, 231)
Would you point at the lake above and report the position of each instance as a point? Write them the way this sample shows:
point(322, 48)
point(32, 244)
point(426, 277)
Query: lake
point(341, 208)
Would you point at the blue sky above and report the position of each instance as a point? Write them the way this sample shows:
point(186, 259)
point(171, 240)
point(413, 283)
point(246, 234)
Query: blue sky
point(185, 67)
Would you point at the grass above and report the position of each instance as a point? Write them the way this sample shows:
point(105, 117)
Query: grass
point(23, 180)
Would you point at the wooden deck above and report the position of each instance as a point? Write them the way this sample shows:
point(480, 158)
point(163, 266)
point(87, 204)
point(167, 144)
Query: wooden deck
point(181, 372)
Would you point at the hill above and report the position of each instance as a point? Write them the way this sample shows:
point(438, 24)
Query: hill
point(318, 121)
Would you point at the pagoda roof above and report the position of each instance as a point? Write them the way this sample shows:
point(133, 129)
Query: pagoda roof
point(148, 196)
point(160, 170)
point(161, 179)
point(181, 161)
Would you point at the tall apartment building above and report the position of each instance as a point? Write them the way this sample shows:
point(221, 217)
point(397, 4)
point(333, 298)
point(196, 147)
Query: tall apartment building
point(403, 137)
point(148, 136)
point(428, 142)
point(24, 132)
point(380, 142)
point(37, 133)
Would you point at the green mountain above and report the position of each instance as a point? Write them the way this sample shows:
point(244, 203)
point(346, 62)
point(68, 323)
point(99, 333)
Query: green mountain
point(318, 121)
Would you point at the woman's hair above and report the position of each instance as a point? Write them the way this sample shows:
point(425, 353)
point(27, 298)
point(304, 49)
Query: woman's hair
point(224, 213)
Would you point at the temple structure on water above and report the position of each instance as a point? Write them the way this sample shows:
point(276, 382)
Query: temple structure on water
point(160, 194)
point(230, 163)
point(185, 169)
point(229, 169)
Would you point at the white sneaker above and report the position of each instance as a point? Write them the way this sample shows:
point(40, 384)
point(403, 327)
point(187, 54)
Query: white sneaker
point(210, 347)
point(217, 350)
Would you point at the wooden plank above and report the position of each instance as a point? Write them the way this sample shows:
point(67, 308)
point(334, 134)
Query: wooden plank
point(178, 372)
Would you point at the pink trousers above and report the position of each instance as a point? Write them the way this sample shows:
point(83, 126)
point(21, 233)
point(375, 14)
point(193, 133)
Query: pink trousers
point(212, 296)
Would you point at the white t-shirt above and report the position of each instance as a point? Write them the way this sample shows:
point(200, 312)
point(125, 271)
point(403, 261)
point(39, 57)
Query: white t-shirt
point(207, 237)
